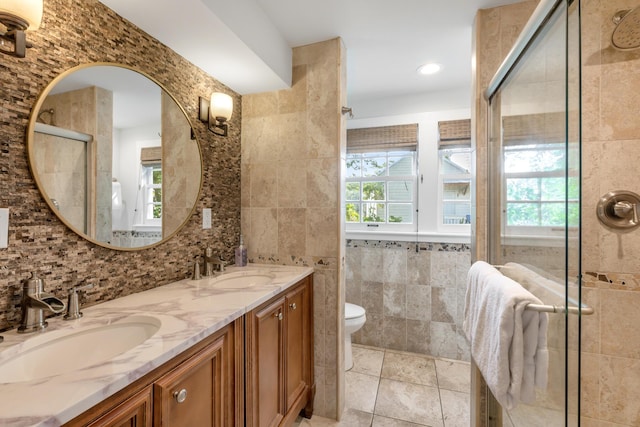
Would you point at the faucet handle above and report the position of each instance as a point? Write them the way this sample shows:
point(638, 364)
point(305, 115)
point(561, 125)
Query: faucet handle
point(196, 269)
point(73, 304)
point(220, 262)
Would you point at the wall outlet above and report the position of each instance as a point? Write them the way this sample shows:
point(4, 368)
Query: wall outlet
point(4, 228)
point(206, 218)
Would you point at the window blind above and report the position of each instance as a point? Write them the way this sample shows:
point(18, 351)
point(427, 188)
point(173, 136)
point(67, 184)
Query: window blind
point(530, 129)
point(151, 155)
point(383, 138)
point(454, 133)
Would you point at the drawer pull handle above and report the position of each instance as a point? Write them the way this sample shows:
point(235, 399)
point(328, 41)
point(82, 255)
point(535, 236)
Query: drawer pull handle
point(180, 396)
point(293, 306)
point(278, 315)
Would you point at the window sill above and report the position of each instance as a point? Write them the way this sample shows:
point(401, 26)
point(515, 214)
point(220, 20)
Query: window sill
point(409, 236)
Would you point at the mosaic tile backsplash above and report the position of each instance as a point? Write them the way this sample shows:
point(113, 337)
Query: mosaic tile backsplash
point(75, 32)
point(413, 295)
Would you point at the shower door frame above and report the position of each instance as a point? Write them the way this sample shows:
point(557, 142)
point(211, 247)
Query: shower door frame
point(495, 192)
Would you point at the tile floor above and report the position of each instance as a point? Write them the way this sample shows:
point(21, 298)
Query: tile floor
point(388, 388)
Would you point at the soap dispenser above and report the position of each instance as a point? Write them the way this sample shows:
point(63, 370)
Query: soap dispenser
point(241, 254)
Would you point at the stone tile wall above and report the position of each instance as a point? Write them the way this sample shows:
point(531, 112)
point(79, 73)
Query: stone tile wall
point(414, 299)
point(292, 142)
point(75, 32)
point(611, 272)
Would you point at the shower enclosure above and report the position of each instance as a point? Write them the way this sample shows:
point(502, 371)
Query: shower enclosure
point(534, 197)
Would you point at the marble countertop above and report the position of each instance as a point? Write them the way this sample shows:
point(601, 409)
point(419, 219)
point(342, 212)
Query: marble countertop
point(188, 311)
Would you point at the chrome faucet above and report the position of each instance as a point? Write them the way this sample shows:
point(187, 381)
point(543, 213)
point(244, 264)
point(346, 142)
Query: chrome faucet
point(34, 302)
point(210, 261)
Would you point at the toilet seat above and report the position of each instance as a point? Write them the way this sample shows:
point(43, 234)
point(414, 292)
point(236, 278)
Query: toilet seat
point(352, 311)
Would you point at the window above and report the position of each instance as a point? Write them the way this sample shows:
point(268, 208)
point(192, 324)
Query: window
point(402, 180)
point(455, 186)
point(537, 190)
point(151, 185)
point(380, 188)
point(454, 175)
point(541, 189)
point(152, 193)
point(381, 180)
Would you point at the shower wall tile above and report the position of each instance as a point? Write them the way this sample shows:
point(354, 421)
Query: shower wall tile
point(619, 333)
point(618, 390)
point(403, 308)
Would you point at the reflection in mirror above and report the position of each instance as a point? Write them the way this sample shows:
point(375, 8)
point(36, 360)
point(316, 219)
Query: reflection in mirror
point(114, 156)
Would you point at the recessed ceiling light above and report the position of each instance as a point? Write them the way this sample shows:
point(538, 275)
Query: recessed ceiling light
point(430, 68)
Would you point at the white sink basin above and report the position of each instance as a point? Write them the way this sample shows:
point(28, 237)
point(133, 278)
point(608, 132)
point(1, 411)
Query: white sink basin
point(243, 280)
point(58, 352)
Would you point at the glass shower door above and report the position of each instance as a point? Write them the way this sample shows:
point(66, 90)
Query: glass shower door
point(534, 201)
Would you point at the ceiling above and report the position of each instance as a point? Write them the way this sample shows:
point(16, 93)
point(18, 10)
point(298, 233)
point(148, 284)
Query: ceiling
point(246, 44)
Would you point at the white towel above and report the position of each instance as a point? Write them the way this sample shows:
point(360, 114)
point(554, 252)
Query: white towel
point(508, 343)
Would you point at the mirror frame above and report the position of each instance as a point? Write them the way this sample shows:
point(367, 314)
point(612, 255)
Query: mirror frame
point(31, 156)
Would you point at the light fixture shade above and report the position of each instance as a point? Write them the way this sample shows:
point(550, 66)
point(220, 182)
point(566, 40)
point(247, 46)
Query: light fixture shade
point(221, 106)
point(29, 11)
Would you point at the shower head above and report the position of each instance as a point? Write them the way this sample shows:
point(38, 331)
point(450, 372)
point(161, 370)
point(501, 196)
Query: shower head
point(626, 35)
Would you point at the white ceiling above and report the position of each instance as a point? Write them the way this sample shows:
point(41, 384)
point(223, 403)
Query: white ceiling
point(246, 44)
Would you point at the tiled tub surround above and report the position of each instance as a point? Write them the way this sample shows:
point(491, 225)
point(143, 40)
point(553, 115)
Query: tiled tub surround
point(189, 311)
point(414, 299)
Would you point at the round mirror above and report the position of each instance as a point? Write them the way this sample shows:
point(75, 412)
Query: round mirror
point(114, 156)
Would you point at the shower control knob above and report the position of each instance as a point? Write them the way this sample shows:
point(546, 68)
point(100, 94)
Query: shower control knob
point(624, 209)
point(618, 210)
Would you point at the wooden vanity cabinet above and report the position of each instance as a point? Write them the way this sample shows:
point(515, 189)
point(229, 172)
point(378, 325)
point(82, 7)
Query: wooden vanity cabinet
point(279, 358)
point(256, 371)
point(133, 412)
point(200, 387)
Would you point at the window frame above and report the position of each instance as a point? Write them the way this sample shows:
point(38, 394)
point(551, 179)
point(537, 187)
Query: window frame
point(147, 188)
point(442, 178)
point(386, 179)
point(542, 231)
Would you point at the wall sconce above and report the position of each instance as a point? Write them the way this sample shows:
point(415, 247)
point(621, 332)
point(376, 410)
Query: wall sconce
point(217, 112)
point(16, 17)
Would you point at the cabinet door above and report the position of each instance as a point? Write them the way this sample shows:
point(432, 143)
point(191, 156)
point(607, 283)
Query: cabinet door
point(133, 412)
point(193, 393)
point(265, 399)
point(297, 327)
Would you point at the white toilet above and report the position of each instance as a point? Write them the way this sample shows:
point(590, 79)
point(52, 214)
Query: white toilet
point(354, 318)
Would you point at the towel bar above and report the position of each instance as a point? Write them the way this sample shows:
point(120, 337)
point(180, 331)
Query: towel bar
point(584, 310)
